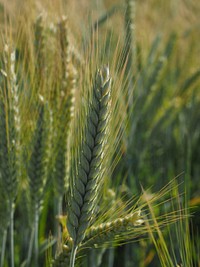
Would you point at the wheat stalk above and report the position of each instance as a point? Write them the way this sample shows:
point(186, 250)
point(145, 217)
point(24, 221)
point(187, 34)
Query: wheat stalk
point(9, 126)
point(10, 135)
point(37, 167)
point(100, 235)
point(84, 188)
point(64, 47)
point(130, 47)
point(4, 222)
point(64, 118)
point(130, 33)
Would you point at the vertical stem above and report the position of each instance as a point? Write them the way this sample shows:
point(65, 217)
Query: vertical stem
point(36, 223)
point(60, 205)
point(73, 256)
point(130, 47)
point(12, 255)
point(3, 247)
point(92, 258)
point(111, 257)
point(59, 230)
point(188, 168)
point(30, 249)
point(95, 257)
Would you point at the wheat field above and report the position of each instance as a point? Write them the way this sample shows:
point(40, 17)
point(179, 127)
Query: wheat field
point(99, 133)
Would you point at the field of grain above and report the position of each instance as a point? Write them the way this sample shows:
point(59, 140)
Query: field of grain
point(99, 133)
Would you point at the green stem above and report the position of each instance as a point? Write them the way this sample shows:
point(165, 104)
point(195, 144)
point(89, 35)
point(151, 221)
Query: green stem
point(36, 223)
point(187, 164)
point(59, 228)
point(3, 247)
point(30, 249)
point(188, 168)
point(73, 256)
point(12, 234)
point(111, 257)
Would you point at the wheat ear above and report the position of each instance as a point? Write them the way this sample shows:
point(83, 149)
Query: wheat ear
point(10, 136)
point(64, 47)
point(101, 235)
point(130, 46)
point(67, 88)
point(63, 118)
point(87, 181)
point(105, 233)
point(9, 126)
point(37, 169)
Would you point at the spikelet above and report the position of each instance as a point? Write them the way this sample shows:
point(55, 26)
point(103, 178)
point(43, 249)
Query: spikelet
point(105, 233)
point(9, 125)
point(86, 185)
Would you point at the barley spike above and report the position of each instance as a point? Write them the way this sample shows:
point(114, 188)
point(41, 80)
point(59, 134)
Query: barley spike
point(88, 179)
point(105, 233)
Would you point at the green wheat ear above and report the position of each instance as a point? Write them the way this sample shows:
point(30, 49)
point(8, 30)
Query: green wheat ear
point(9, 125)
point(130, 46)
point(64, 47)
point(105, 233)
point(66, 111)
point(86, 184)
point(10, 145)
point(63, 137)
point(40, 53)
point(101, 236)
point(63, 115)
point(37, 167)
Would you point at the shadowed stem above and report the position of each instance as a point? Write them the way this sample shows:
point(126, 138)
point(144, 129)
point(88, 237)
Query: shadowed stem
point(36, 224)
point(12, 234)
point(3, 247)
point(188, 169)
point(111, 257)
point(59, 228)
point(30, 249)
